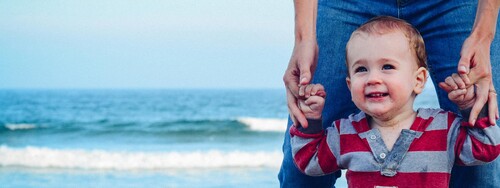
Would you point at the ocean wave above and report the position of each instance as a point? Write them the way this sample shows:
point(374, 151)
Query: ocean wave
point(39, 157)
point(264, 124)
point(175, 127)
point(19, 126)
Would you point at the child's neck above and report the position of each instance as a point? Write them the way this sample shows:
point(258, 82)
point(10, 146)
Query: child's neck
point(391, 128)
point(394, 122)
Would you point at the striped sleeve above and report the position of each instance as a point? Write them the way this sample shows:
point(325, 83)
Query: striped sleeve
point(478, 144)
point(313, 153)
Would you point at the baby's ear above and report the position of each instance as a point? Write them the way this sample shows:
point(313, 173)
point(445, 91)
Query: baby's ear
point(348, 81)
point(420, 77)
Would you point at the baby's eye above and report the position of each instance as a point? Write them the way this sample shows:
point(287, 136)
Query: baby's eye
point(360, 69)
point(387, 66)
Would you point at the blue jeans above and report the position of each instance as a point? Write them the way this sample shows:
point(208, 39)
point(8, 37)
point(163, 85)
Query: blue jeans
point(444, 26)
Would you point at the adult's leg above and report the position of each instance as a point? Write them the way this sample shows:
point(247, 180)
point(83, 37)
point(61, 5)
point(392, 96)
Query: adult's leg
point(336, 21)
point(445, 25)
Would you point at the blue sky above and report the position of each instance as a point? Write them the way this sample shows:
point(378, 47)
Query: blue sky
point(145, 44)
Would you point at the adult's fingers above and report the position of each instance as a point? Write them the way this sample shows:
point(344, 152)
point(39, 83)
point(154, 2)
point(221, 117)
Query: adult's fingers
point(464, 63)
point(481, 99)
point(466, 55)
point(307, 63)
point(295, 113)
point(302, 91)
point(492, 104)
point(492, 107)
point(291, 80)
point(290, 100)
point(305, 72)
point(476, 75)
point(480, 70)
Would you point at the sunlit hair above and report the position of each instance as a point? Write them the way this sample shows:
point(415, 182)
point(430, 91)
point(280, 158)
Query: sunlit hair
point(386, 24)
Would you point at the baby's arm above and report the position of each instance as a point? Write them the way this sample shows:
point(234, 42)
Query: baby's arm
point(311, 146)
point(465, 97)
point(478, 144)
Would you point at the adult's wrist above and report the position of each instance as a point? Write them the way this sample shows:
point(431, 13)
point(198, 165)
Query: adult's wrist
point(486, 19)
point(304, 36)
point(485, 33)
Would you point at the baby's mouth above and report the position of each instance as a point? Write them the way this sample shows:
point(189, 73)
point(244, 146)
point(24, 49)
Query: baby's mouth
point(376, 95)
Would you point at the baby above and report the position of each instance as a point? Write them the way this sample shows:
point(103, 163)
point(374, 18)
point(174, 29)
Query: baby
point(388, 143)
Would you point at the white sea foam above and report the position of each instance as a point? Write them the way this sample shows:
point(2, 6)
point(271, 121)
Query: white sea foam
point(38, 157)
point(264, 124)
point(18, 126)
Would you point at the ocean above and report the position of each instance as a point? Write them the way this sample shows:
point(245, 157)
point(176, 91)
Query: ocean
point(144, 138)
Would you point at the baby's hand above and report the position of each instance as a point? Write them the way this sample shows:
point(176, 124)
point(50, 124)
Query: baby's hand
point(314, 100)
point(455, 86)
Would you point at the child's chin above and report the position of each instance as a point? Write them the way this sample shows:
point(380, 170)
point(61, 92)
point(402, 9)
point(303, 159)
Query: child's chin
point(379, 113)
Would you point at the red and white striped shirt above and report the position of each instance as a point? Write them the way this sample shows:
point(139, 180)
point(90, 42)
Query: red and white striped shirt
point(423, 156)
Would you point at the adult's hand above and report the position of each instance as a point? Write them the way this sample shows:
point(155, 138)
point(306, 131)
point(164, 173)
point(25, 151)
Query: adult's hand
point(475, 62)
point(475, 58)
point(299, 72)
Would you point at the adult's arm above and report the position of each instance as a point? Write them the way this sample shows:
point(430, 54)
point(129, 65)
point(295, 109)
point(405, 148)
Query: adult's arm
point(475, 59)
point(304, 57)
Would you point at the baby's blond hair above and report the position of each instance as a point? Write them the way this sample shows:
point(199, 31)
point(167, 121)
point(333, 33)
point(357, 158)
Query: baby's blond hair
point(385, 24)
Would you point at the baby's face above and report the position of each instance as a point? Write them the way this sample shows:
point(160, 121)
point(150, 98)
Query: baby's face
point(382, 71)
